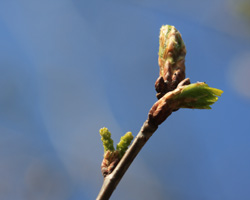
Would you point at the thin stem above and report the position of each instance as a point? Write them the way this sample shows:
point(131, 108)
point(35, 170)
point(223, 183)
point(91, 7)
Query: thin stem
point(111, 181)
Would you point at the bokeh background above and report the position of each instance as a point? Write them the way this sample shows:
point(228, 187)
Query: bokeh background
point(71, 67)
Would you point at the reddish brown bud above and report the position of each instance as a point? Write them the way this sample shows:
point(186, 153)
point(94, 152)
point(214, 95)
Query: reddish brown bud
point(110, 160)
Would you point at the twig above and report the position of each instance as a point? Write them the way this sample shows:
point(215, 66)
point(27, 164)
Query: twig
point(157, 114)
point(111, 181)
point(173, 92)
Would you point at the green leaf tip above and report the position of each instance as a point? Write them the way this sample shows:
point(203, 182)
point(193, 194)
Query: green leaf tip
point(125, 141)
point(106, 140)
point(198, 96)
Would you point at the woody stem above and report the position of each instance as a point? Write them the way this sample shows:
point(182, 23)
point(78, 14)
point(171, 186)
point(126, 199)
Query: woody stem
point(111, 181)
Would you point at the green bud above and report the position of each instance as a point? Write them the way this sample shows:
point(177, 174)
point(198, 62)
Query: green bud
point(106, 140)
point(198, 96)
point(125, 141)
point(171, 48)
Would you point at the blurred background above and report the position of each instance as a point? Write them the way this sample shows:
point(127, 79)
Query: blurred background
point(71, 67)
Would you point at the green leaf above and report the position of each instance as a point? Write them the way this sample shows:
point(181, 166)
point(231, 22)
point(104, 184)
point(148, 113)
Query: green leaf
point(198, 96)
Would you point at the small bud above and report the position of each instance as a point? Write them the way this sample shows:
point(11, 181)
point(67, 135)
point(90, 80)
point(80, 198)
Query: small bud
point(111, 156)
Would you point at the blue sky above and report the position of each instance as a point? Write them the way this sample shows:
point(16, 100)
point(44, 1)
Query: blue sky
point(71, 67)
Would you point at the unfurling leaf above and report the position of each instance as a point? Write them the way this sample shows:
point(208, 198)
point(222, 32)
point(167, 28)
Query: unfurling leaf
point(198, 96)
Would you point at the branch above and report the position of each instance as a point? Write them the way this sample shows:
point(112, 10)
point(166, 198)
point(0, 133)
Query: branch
point(111, 181)
point(197, 95)
point(173, 91)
